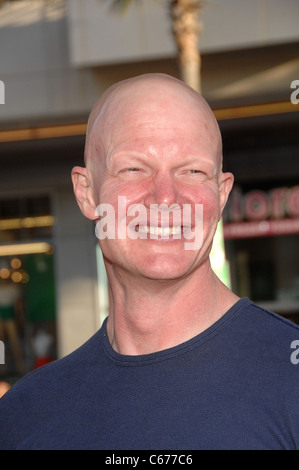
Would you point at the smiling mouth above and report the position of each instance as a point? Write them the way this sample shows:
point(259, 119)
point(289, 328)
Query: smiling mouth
point(161, 231)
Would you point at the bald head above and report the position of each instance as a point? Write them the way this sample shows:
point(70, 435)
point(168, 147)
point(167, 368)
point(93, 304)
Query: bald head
point(154, 97)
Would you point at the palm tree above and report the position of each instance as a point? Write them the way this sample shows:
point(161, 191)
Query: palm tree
point(186, 27)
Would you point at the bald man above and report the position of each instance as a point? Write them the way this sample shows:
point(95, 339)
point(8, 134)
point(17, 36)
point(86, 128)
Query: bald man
point(181, 362)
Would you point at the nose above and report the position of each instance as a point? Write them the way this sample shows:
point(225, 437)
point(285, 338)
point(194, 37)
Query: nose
point(163, 190)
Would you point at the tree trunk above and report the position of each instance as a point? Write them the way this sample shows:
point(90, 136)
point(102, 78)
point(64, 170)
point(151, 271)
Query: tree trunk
point(186, 29)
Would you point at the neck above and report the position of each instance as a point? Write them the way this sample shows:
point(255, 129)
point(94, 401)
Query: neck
point(147, 315)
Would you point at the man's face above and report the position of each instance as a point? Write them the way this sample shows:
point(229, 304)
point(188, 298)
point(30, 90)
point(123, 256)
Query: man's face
point(158, 149)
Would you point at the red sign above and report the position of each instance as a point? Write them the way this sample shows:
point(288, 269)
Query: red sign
point(260, 214)
point(265, 228)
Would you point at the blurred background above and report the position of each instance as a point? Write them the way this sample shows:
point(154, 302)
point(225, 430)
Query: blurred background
point(56, 58)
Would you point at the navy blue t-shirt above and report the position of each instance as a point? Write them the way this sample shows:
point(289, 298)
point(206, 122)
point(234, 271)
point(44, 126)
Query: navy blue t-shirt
point(234, 386)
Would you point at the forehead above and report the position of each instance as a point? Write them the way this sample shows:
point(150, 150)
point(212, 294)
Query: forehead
point(153, 101)
point(151, 108)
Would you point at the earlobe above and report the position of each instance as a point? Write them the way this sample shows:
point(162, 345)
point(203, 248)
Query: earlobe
point(83, 192)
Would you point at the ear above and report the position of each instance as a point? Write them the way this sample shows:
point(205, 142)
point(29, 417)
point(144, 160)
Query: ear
point(226, 181)
point(83, 192)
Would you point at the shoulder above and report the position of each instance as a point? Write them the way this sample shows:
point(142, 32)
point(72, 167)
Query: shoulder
point(256, 324)
point(53, 377)
point(257, 315)
point(270, 339)
point(31, 401)
point(262, 337)
point(273, 322)
point(26, 404)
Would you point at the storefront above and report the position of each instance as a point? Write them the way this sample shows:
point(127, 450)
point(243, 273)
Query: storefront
point(27, 283)
point(261, 220)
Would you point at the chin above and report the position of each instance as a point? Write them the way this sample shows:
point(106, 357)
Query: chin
point(164, 268)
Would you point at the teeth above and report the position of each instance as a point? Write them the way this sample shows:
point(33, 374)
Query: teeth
point(161, 231)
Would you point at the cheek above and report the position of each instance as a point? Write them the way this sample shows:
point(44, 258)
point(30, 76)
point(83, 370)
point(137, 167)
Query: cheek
point(110, 193)
point(211, 208)
point(117, 199)
point(209, 198)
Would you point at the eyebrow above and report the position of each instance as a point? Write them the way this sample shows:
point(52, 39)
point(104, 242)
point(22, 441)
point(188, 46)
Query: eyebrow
point(128, 154)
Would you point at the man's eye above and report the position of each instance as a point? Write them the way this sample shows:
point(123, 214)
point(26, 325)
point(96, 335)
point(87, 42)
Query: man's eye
point(131, 173)
point(193, 175)
point(131, 169)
